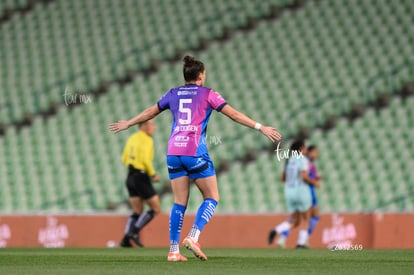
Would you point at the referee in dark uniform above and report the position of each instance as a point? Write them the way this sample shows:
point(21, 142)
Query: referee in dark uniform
point(138, 156)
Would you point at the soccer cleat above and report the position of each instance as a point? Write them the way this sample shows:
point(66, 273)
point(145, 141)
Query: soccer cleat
point(301, 247)
point(125, 242)
point(135, 239)
point(272, 235)
point(194, 246)
point(176, 257)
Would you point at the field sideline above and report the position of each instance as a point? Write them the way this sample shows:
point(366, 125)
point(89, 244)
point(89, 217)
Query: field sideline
point(224, 261)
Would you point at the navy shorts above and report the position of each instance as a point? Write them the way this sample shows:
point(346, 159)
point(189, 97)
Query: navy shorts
point(194, 167)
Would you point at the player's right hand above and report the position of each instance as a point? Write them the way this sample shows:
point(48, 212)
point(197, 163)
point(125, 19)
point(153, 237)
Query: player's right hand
point(156, 178)
point(119, 126)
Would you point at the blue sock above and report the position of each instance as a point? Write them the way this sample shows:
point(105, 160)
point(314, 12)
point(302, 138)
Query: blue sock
point(176, 223)
point(204, 214)
point(285, 233)
point(312, 224)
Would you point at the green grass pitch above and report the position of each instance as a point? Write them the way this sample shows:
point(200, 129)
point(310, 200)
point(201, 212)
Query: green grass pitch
point(221, 261)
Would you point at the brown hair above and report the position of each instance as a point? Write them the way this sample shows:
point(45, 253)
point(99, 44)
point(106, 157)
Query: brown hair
point(192, 68)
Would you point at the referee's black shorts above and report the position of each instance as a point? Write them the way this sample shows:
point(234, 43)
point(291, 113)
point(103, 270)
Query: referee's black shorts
point(139, 184)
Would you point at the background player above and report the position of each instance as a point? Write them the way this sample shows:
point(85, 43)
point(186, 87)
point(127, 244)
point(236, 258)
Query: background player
point(138, 155)
point(312, 154)
point(297, 194)
point(187, 156)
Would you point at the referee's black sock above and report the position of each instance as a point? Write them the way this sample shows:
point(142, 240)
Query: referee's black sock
point(129, 227)
point(144, 219)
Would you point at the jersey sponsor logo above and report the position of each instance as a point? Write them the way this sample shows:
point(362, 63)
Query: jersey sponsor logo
point(54, 234)
point(186, 128)
point(180, 144)
point(182, 138)
point(180, 93)
point(5, 234)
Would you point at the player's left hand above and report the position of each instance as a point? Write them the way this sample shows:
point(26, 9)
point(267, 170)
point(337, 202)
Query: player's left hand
point(119, 126)
point(271, 133)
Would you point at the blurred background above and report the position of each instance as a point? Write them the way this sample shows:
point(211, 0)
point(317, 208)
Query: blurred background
point(339, 73)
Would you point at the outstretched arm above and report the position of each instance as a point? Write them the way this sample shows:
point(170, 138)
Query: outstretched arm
point(242, 119)
point(147, 114)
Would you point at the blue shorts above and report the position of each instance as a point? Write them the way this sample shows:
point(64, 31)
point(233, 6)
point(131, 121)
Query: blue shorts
point(313, 195)
point(194, 167)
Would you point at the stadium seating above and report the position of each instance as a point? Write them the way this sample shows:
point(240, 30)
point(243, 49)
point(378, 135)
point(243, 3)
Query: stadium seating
point(12, 5)
point(76, 44)
point(292, 72)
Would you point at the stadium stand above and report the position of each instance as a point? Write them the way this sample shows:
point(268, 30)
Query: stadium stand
point(291, 72)
point(78, 44)
point(9, 7)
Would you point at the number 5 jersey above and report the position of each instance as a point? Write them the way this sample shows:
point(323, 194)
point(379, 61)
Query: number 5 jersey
point(191, 106)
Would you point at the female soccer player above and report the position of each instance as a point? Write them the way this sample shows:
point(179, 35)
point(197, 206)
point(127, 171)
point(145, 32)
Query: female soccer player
point(187, 156)
point(297, 194)
point(312, 154)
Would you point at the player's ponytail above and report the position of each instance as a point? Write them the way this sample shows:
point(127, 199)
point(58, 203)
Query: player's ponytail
point(192, 68)
point(188, 61)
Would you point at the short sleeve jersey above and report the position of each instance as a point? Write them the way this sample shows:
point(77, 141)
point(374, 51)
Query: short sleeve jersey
point(191, 106)
point(294, 168)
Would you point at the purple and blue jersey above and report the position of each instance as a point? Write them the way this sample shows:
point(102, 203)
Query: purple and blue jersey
point(191, 106)
point(313, 174)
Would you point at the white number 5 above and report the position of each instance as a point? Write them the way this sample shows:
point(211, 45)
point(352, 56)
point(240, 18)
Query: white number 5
point(184, 110)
